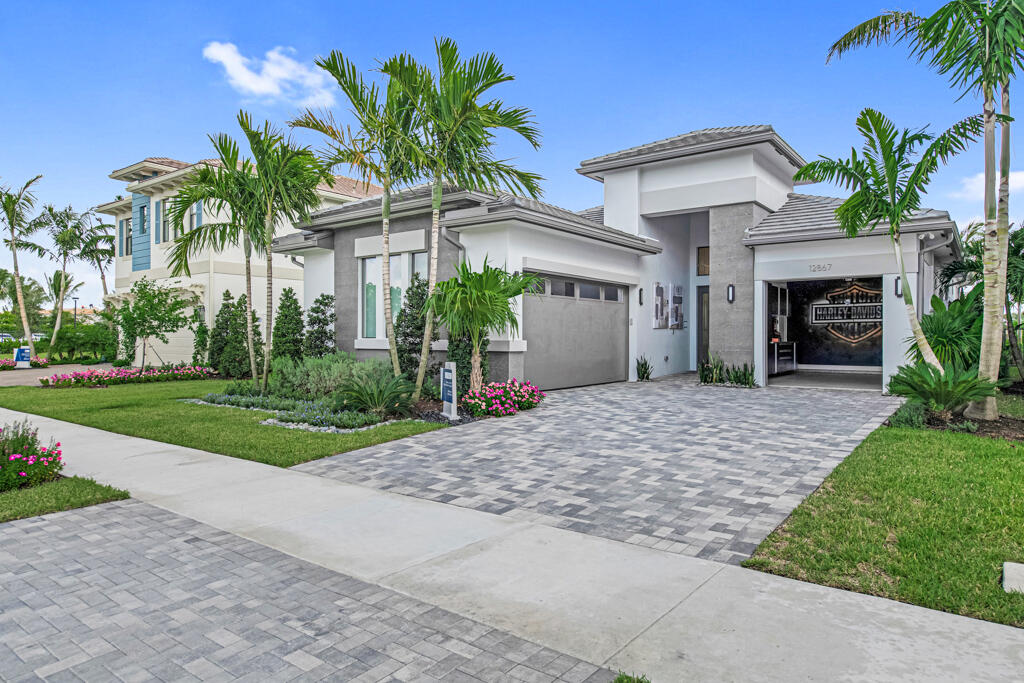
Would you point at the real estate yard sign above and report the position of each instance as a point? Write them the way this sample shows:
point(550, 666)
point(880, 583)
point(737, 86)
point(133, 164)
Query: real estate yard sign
point(22, 357)
point(449, 400)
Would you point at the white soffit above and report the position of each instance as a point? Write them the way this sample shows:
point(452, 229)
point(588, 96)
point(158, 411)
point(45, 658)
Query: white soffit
point(410, 240)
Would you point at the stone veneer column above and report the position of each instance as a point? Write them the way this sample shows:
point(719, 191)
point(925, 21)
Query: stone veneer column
point(731, 326)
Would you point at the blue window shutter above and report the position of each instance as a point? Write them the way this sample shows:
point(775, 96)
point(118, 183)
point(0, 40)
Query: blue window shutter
point(199, 213)
point(156, 221)
point(120, 237)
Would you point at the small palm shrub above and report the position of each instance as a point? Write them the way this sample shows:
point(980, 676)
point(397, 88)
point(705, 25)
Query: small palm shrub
point(24, 460)
point(643, 369)
point(954, 331)
point(309, 378)
point(941, 393)
point(373, 388)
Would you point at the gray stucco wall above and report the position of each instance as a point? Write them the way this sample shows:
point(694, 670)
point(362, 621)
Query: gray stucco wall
point(732, 325)
point(346, 273)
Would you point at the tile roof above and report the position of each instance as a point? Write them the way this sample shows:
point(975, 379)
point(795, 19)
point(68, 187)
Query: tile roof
point(351, 187)
point(807, 217)
point(704, 139)
point(167, 161)
point(594, 213)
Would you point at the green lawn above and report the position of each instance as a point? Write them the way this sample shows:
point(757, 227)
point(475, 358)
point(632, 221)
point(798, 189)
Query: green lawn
point(921, 516)
point(1011, 405)
point(152, 411)
point(54, 496)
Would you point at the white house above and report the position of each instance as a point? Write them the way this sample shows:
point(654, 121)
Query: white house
point(145, 234)
point(700, 247)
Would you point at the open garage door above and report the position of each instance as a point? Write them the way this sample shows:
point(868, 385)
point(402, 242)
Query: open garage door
point(576, 333)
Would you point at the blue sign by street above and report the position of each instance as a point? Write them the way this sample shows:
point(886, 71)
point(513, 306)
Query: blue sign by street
point(22, 354)
point(447, 392)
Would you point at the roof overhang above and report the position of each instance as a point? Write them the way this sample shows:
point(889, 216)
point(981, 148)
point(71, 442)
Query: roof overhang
point(617, 238)
point(298, 243)
point(115, 207)
point(141, 170)
point(942, 226)
point(596, 168)
point(359, 212)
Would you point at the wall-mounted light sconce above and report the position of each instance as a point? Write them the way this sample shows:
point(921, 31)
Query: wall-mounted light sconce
point(730, 293)
point(899, 287)
point(641, 294)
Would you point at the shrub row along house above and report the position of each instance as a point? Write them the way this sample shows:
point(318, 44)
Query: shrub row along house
point(145, 234)
point(700, 247)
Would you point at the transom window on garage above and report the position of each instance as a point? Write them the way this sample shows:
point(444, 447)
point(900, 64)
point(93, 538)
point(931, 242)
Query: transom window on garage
point(703, 261)
point(580, 289)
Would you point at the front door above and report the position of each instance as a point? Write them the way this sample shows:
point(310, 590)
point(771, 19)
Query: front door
point(703, 310)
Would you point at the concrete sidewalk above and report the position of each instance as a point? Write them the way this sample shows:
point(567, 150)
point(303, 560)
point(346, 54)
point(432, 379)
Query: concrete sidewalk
point(627, 607)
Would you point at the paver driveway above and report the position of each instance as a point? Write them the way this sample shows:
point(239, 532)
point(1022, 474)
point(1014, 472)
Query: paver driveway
point(702, 471)
point(130, 592)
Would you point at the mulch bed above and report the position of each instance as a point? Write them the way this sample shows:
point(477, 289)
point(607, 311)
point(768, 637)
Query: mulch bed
point(1008, 428)
point(429, 410)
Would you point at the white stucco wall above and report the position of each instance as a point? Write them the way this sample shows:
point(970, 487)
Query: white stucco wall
point(668, 350)
point(318, 275)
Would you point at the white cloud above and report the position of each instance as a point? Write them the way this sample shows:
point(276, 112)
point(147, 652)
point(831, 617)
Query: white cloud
point(973, 187)
point(275, 77)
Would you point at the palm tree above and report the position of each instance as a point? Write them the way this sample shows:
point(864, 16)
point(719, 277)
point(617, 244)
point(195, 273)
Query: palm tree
point(97, 247)
point(32, 293)
point(59, 288)
point(887, 184)
point(457, 133)
point(979, 44)
point(287, 176)
point(16, 204)
point(66, 230)
point(477, 303)
point(382, 150)
point(231, 185)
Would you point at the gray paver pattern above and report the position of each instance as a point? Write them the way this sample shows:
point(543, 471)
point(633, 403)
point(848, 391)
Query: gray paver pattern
point(131, 592)
point(700, 471)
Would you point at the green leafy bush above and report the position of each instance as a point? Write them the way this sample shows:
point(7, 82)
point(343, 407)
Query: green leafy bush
point(373, 388)
point(711, 370)
point(630, 678)
point(740, 375)
point(24, 461)
point(320, 319)
point(253, 401)
point(201, 343)
point(320, 415)
point(409, 328)
point(910, 415)
point(953, 330)
point(243, 387)
point(311, 377)
point(288, 328)
point(122, 363)
point(219, 333)
point(941, 393)
point(644, 369)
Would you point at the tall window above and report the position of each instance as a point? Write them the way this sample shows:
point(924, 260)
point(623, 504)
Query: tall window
point(165, 220)
point(127, 237)
point(370, 277)
point(419, 264)
point(703, 260)
point(142, 219)
point(371, 282)
point(191, 219)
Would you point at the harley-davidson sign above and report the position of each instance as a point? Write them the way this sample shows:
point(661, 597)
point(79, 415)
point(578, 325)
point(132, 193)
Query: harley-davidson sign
point(852, 313)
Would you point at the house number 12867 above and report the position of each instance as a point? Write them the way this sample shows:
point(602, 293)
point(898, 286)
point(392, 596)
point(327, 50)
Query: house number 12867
point(820, 267)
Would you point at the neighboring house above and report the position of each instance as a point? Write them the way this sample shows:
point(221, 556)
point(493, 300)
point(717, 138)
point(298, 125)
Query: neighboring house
point(84, 314)
point(145, 234)
point(701, 247)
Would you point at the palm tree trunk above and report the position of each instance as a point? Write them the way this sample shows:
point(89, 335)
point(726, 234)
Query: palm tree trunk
point(476, 373)
point(389, 325)
point(908, 300)
point(270, 300)
point(58, 306)
point(250, 337)
point(20, 295)
point(103, 277)
point(992, 323)
point(428, 329)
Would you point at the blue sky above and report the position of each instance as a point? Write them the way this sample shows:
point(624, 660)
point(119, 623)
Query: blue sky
point(90, 87)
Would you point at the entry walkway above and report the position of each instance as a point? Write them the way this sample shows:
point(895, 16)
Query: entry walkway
point(615, 604)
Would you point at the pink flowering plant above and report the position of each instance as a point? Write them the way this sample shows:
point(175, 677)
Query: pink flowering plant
point(38, 362)
point(24, 460)
point(500, 399)
point(7, 364)
point(94, 378)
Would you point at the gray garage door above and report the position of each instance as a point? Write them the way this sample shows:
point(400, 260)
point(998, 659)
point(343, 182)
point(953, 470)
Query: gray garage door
point(576, 333)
